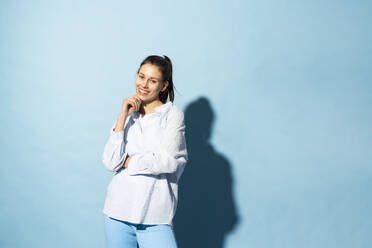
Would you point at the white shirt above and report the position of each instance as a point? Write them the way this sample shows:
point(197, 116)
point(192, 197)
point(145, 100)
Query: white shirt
point(146, 192)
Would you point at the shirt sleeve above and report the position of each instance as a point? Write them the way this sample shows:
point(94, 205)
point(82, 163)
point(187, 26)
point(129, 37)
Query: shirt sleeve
point(169, 157)
point(114, 152)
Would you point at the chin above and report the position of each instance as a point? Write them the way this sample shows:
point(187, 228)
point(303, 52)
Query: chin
point(143, 99)
point(140, 96)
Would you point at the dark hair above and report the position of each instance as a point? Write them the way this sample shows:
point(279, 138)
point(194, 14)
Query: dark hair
point(165, 66)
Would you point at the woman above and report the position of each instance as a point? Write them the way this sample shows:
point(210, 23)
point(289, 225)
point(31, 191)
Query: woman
point(146, 149)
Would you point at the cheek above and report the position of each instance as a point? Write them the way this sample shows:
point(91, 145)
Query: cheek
point(153, 88)
point(157, 88)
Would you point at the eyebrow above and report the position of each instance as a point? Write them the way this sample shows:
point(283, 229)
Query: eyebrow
point(150, 77)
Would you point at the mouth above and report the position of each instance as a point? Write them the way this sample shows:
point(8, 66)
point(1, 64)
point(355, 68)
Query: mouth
point(143, 92)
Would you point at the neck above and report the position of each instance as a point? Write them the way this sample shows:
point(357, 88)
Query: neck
point(149, 107)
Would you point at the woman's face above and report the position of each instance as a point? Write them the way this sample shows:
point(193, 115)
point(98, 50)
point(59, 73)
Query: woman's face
point(149, 83)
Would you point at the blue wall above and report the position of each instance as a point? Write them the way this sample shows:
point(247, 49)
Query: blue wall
point(279, 91)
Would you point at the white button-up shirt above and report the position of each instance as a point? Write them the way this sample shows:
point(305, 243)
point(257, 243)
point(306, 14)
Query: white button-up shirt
point(146, 192)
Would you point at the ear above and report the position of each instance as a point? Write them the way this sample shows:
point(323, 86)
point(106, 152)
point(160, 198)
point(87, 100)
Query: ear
point(165, 85)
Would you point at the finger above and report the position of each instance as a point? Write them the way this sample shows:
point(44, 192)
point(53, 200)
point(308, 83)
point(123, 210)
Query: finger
point(135, 104)
point(138, 98)
point(137, 101)
point(131, 103)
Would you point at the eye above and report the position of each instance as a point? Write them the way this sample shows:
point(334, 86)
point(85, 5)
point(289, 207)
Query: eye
point(153, 81)
point(140, 76)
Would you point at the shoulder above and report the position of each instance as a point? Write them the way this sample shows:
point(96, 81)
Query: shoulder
point(175, 113)
point(175, 116)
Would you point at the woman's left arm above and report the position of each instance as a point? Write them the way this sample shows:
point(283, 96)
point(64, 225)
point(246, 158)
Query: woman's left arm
point(169, 157)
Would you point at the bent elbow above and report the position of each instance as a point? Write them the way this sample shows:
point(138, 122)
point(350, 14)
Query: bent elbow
point(113, 157)
point(111, 165)
point(108, 166)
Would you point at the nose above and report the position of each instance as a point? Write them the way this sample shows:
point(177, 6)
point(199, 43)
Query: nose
point(145, 83)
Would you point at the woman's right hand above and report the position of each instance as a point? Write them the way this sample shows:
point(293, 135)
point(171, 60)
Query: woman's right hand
point(130, 104)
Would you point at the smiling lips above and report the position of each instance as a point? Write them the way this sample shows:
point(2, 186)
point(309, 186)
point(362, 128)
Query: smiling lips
point(143, 92)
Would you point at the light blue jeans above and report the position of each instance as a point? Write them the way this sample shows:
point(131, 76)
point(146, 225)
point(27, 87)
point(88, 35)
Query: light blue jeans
point(123, 234)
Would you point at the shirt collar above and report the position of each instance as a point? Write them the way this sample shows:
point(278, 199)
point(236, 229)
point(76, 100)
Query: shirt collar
point(163, 108)
point(159, 110)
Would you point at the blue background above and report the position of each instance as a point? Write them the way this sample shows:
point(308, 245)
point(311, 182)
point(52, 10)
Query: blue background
point(288, 84)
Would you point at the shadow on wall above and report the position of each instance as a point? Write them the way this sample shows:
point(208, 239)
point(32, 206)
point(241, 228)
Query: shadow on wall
point(206, 211)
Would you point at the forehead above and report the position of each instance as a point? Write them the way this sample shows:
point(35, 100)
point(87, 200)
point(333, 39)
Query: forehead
point(150, 71)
